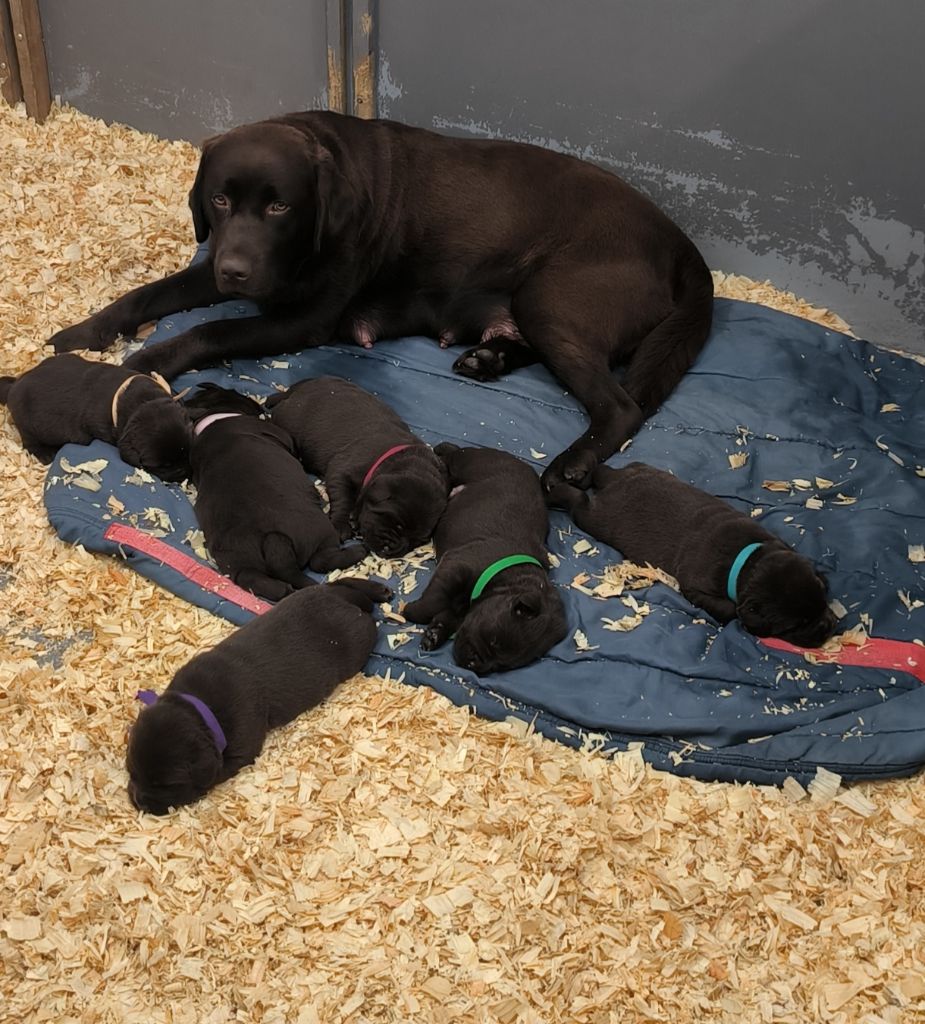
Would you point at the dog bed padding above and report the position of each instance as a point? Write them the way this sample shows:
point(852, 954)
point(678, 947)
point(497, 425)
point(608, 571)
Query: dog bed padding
point(842, 421)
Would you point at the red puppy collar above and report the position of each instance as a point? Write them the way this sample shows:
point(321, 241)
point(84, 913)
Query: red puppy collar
point(385, 455)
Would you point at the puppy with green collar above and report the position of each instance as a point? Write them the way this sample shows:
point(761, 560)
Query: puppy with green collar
point(490, 587)
point(724, 561)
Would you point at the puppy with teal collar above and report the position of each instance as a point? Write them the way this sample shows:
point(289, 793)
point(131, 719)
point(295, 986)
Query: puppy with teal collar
point(724, 561)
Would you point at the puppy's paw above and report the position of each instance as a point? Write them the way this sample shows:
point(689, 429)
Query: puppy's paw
point(573, 469)
point(481, 363)
point(413, 613)
point(445, 448)
point(92, 334)
point(434, 637)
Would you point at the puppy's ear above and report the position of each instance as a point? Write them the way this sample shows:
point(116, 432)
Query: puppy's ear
point(336, 200)
point(197, 201)
point(529, 604)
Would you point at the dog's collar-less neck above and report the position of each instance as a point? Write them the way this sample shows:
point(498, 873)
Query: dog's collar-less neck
point(499, 566)
point(740, 559)
point(149, 697)
point(385, 455)
point(123, 387)
point(213, 417)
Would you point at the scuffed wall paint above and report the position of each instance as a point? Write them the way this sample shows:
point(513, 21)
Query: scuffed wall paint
point(785, 138)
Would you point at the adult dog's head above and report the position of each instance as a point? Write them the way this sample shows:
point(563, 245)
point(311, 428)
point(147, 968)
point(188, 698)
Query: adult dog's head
point(172, 758)
point(783, 596)
point(271, 197)
point(510, 628)
point(156, 437)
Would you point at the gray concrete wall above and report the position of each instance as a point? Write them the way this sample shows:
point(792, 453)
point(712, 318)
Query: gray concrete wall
point(787, 138)
point(186, 68)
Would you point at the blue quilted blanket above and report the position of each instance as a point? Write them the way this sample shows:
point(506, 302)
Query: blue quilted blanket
point(820, 435)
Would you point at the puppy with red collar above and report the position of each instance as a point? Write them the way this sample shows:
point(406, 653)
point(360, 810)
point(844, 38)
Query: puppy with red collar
point(69, 400)
point(724, 561)
point(375, 470)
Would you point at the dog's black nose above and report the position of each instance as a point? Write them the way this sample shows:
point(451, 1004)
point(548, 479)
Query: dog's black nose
point(234, 271)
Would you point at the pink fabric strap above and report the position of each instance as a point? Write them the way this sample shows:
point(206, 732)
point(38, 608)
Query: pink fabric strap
point(876, 652)
point(385, 455)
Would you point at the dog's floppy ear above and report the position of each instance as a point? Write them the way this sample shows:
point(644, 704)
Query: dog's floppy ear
point(528, 604)
point(336, 199)
point(197, 201)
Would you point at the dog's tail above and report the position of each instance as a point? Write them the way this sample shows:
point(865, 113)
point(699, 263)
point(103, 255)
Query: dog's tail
point(5, 384)
point(666, 353)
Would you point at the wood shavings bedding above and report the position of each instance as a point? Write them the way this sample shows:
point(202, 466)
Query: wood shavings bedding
point(389, 858)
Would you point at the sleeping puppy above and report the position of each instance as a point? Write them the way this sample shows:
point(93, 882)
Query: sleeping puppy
point(212, 719)
point(724, 561)
point(69, 400)
point(375, 470)
point(260, 514)
point(490, 587)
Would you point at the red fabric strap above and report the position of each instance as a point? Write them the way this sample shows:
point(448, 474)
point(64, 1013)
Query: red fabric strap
point(385, 455)
point(205, 577)
point(877, 652)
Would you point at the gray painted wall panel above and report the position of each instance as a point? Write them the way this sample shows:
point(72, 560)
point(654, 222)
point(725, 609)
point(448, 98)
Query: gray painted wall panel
point(186, 68)
point(786, 138)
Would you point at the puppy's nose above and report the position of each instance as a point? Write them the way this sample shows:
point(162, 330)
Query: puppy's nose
point(234, 270)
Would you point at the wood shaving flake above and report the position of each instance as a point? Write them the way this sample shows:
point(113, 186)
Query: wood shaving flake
point(737, 459)
point(917, 552)
point(776, 485)
point(910, 603)
point(581, 642)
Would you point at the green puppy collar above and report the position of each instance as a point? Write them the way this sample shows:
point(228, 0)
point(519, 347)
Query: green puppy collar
point(492, 571)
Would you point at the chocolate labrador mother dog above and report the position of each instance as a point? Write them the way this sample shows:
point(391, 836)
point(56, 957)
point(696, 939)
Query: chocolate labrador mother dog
point(339, 227)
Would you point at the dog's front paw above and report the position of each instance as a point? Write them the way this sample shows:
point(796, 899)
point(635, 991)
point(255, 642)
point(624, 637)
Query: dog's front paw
point(93, 334)
point(434, 636)
point(574, 469)
point(480, 363)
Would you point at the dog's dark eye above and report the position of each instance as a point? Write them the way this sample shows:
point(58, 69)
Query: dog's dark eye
point(220, 200)
point(278, 207)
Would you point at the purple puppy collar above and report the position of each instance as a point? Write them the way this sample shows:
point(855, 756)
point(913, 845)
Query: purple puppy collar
point(149, 697)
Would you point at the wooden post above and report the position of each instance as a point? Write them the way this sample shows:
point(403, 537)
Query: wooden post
point(10, 85)
point(33, 69)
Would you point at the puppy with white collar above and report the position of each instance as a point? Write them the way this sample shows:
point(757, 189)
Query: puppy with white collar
point(260, 514)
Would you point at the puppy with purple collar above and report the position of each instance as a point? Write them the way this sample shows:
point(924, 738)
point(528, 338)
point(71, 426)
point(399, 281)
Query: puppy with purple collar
point(213, 717)
point(260, 514)
point(69, 400)
point(724, 561)
point(376, 471)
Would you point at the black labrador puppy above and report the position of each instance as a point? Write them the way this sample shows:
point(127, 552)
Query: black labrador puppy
point(375, 470)
point(214, 716)
point(260, 514)
point(69, 400)
point(724, 561)
point(323, 218)
point(490, 587)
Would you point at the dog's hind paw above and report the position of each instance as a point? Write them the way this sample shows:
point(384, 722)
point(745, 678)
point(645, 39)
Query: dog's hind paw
point(433, 637)
point(481, 363)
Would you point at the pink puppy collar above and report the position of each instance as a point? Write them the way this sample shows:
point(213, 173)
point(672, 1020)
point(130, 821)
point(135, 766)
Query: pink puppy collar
point(385, 455)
